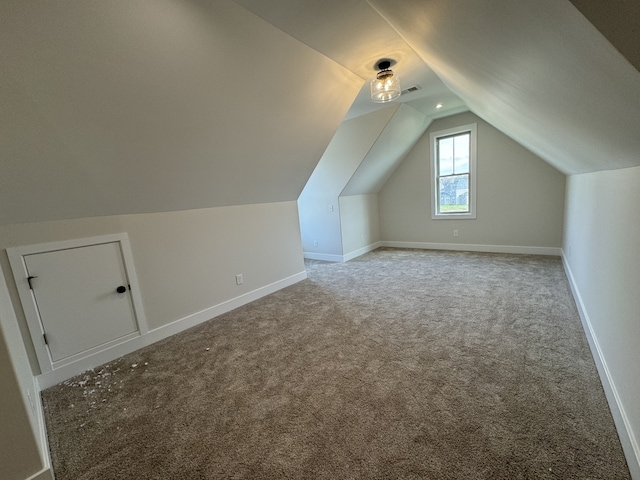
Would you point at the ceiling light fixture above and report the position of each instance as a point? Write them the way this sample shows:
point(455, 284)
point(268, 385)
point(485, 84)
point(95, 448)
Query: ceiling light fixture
point(439, 106)
point(386, 86)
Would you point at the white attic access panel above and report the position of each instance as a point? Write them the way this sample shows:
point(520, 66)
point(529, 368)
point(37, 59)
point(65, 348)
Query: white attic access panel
point(80, 297)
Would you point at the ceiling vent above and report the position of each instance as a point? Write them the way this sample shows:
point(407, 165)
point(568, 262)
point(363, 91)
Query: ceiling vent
point(412, 89)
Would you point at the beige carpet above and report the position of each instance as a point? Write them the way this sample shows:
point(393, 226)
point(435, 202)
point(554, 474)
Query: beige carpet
point(400, 364)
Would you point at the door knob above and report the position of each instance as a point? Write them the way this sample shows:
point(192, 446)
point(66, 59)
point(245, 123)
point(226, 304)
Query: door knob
point(121, 289)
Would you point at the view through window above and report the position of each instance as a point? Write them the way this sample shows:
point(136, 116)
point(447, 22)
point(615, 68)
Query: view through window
point(453, 167)
point(453, 173)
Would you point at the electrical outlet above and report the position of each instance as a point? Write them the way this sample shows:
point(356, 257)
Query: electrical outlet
point(455, 233)
point(315, 243)
point(239, 279)
point(331, 207)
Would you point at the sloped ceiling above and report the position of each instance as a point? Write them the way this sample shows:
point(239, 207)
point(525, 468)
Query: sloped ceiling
point(356, 36)
point(349, 146)
point(395, 141)
point(538, 71)
point(127, 107)
point(619, 22)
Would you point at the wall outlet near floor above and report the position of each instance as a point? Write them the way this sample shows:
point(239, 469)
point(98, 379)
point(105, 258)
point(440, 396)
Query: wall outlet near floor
point(315, 243)
point(455, 233)
point(239, 279)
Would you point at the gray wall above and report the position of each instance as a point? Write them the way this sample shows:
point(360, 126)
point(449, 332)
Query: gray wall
point(346, 151)
point(602, 254)
point(363, 154)
point(360, 222)
point(520, 198)
point(102, 117)
point(20, 441)
point(104, 123)
point(187, 261)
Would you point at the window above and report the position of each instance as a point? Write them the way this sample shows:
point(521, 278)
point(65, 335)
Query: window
point(453, 164)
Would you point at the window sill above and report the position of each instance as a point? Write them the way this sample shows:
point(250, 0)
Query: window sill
point(453, 216)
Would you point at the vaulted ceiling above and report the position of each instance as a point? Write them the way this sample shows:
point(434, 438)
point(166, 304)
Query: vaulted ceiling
point(538, 71)
point(130, 107)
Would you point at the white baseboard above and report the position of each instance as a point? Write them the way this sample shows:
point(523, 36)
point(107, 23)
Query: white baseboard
point(469, 247)
point(65, 372)
point(629, 443)
point(361, 251)
point(44, 474)
point(325, 257)
point(44, 438)
point(329, 257)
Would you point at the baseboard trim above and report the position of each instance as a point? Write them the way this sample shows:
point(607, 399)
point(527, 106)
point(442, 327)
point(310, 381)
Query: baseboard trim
point(629, 443)
point(44, 438)
point(361, 251)
point(469, 247)
point(189, 321)
point(65, 372)
point(325, 257)
point(44, 474)
point(329, 257)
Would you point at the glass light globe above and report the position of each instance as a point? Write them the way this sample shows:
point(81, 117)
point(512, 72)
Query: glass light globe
point(385, 87)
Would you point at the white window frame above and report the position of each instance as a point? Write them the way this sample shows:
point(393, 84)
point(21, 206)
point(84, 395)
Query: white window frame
point(433, 137)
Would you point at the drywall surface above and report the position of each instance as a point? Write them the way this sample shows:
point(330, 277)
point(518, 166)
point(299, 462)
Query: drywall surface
point(520, 198)
point(113, 108)
point(395, 141)
point(359, 218)
point(186, 261)
point(539, 71)
point(362, 155)
point(320, 223)
point(619, 25)
point(318, 202)
point(602, 251)
point(19, 432)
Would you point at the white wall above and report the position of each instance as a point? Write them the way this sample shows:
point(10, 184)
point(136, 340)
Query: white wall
point(22, 446)
point(397, 139)
point(537, 70)
point(602, 255)
point(363, 154)
point(520, 198)
point(343, 156)
point(186, 264)
point(360, 222)
point(113, 108)
point(186, 261)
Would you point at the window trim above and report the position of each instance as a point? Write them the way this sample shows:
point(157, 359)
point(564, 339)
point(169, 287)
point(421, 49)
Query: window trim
point(472, 128)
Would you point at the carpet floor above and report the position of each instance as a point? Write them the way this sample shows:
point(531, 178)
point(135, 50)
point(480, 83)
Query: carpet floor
point(400, 364)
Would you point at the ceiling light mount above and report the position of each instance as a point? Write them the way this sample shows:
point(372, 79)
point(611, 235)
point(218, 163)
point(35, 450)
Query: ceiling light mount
point(386, 86)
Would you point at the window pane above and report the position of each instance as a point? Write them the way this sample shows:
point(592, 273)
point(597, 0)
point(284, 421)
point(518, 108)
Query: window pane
point(461, 149)
point(445, 156)
point(454, 194)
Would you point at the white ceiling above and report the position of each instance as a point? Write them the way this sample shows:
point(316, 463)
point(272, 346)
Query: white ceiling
point(538, 71)
point(115, 107)
point(354, 35)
